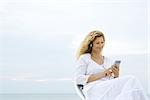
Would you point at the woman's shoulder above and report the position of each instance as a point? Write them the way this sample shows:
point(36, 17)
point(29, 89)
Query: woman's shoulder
point(85, 56)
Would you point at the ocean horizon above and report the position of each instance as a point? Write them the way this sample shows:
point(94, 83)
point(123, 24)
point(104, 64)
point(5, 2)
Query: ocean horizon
point(33, 96)
point(41, 96)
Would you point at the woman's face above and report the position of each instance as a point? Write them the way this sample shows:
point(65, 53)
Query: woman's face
point(98, 44)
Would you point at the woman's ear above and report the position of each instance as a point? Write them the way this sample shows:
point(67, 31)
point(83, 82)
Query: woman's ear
point(91, 45)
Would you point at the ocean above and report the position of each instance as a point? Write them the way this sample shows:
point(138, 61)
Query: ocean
point(39, 97)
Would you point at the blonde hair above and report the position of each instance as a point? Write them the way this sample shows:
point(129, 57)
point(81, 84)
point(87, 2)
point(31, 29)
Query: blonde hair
point(85, 46)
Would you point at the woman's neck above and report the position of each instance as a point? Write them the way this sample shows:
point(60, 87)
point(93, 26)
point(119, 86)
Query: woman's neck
point(96, 55)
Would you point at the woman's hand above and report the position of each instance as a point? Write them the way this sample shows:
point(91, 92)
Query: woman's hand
point(108, 72)
point(115, 70)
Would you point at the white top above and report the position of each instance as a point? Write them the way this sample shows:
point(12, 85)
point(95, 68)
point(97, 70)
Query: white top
point(86, 67)
point(121, 88)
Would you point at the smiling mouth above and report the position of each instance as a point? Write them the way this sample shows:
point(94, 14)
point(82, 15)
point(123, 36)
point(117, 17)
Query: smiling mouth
point(100, 48)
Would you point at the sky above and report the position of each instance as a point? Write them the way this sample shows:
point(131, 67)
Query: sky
point(39, 38)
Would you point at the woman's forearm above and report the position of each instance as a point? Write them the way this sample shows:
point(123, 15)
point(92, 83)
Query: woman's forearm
point(97, 76)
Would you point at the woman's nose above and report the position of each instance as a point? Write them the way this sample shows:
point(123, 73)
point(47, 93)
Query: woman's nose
point(101, 45)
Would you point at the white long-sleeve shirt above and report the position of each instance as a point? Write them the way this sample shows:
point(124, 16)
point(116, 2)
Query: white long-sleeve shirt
point(86, 67)
point(122, 88)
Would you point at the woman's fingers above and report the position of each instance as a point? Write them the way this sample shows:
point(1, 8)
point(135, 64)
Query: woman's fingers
point(108, 72)
point(115, 71)
point(112, 71)
point(117, 66)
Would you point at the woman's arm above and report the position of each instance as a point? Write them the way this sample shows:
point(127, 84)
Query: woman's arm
point(100, 75)
point(81, 69)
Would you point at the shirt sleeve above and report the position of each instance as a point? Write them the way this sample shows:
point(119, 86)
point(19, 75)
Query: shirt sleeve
point(81, 69)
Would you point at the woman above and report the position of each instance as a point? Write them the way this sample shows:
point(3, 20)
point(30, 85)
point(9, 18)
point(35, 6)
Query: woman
point(100, 77)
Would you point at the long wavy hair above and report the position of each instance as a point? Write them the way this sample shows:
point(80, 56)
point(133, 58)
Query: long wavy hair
point(86, 45)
